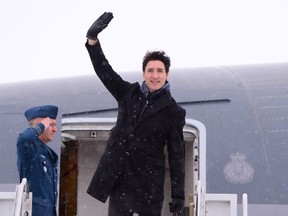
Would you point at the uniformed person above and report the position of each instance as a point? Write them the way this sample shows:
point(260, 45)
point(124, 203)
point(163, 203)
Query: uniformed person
point(36, 161)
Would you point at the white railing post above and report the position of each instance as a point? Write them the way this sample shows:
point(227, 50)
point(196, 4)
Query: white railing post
point(244, 204)
point(23, 200)
point(201, 207)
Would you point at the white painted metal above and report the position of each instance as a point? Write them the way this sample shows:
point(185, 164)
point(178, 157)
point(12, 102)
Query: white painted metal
point(202, 148)
point(23, 200)
point(221, 204)
point(200, 207)
point(6, 203)
point(244, 204)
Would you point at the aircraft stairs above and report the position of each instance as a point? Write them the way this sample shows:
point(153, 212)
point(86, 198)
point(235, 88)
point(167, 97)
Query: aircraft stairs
point(19, 203)
point(215, 204)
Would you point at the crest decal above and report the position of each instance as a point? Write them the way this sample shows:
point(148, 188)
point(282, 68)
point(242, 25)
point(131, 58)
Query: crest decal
point(238, 171)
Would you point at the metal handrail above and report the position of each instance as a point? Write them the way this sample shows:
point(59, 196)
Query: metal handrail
point(23, 200)
point(244, 204)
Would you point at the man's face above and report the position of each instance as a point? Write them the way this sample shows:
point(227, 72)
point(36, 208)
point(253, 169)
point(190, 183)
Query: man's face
point(155, 75)
point(48, 134)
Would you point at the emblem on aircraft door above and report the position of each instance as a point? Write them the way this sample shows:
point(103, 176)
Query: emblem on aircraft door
point(238, 171)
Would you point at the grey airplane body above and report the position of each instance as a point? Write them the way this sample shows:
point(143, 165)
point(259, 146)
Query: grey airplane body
point(243, 108)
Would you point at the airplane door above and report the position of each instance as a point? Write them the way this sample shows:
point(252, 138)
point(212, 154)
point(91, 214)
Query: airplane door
point(68, 178)
point(84, 140)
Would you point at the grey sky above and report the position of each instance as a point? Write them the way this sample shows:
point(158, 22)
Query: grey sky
point(41, 39)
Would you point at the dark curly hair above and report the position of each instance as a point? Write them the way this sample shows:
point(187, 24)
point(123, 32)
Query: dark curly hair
point(156, 55)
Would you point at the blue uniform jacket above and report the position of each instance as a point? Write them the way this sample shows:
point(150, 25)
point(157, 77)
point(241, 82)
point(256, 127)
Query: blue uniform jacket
point(38, 163)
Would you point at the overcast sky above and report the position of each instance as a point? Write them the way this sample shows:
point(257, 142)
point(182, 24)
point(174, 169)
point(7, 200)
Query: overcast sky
point(41, 39)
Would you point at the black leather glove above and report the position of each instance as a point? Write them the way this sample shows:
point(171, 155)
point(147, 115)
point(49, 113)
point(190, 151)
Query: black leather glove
point(101, 23)
point(176, 206)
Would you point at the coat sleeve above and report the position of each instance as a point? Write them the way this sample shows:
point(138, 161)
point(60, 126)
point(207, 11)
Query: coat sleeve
point(176, 155)
point(25, 148)
point(112, 81)
point(30, 134)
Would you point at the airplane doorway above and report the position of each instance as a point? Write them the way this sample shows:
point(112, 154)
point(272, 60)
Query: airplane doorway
point(84, 140)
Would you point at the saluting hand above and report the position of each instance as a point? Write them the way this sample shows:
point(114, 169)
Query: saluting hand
point(46, 122)
point(100, 24)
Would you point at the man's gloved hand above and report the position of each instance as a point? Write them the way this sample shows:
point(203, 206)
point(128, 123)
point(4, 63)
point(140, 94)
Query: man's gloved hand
point(176, 206)
point(101, 23)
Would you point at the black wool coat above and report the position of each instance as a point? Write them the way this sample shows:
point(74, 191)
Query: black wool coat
point(133, 160)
